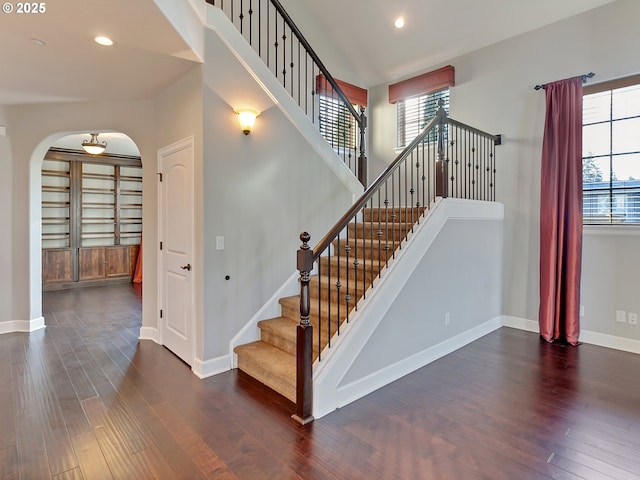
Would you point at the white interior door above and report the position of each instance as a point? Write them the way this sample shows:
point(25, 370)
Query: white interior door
point(176, 256)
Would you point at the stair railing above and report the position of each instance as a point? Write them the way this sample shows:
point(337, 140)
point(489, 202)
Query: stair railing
point(275, 37)
point(448, 158)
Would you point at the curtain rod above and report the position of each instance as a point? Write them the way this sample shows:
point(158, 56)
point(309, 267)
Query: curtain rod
point(584, 80)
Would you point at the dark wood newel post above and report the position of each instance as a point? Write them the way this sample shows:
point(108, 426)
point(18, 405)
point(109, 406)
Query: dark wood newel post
point(362, 159)
point(304, 348)
point(441, 163)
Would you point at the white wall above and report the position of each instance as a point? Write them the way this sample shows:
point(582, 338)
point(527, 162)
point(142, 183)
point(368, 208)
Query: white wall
point(32, 130)
point(494, 92)
point(6, 219)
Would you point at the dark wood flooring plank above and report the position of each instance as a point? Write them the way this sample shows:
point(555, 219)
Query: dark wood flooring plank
point(202, 456)
point(90, 457)
point(9, 463)
point(74, 474)
point(505, 407)
point(151, 462)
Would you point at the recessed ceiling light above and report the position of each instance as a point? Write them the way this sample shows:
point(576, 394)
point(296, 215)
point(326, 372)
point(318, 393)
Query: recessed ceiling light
point(399, 23)
point(106, 41)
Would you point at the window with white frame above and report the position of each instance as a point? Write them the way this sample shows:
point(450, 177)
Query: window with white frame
point(337, 124)
point(611, 152)
point(414, 113)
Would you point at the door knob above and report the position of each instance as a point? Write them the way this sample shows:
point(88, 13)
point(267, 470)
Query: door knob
point(186, 267)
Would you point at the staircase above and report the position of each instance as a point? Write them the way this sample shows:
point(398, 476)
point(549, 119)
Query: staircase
point(272, 359)
point(446, 159)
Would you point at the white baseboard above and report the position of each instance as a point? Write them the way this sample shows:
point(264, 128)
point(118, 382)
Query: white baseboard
point(211, 367)
point(358, 389)
point(610, 341)
point(520, 323)
point(586, 336)
point(149, 333)
point(13, 326)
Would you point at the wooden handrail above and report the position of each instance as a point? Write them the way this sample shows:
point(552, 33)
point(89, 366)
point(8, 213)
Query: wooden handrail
point(294, 28)
point(362, 201)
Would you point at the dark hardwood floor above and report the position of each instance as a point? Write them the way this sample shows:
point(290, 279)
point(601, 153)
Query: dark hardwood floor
point(83, 399)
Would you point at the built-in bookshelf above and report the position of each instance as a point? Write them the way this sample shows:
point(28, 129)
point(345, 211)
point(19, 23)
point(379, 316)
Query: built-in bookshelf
point(91, 217)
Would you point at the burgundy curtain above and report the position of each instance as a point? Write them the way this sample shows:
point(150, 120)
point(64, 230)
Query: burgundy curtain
point(561, 213)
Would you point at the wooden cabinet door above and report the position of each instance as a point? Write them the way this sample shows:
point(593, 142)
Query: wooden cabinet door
point(57, 265)
point(117, 260)
point(91, 263)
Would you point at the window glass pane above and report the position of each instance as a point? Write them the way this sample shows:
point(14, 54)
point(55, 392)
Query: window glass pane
point(596, 170)
point(414, 114)
point(596, 140)
point(626, 168)
point(596, 107)
point(626, 135)
point(626, 102)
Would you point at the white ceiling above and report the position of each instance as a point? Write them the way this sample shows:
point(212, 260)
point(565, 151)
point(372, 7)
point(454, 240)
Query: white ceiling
point(435, 30)
point(148, 56)
point(357, 36)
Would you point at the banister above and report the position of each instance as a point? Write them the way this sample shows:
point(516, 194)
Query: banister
point(362, 201)
point(294, 28)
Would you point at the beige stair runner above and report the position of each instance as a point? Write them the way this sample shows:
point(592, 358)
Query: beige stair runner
point(372, 241)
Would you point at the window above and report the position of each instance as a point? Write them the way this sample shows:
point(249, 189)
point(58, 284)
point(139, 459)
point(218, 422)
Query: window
point(337, 125)
point(415, 112)
point(611, 152)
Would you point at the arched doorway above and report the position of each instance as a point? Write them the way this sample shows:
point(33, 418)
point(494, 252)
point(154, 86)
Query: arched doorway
point(91, 211)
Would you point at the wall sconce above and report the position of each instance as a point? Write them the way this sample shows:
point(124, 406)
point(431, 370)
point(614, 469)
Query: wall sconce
point(247, 119)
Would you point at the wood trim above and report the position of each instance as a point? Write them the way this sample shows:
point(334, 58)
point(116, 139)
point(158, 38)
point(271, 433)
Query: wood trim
point(611, 85)
point(80, 156)
point(356, 95)
point(426, 83)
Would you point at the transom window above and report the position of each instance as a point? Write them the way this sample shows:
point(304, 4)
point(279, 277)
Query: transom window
point(415, 112)
point(611, 153)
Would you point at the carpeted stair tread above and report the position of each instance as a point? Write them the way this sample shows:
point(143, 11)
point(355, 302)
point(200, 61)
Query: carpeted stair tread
point(397, 214)
point(365, 247)
point(279, 332)
point(291, 309)
point(269, 365)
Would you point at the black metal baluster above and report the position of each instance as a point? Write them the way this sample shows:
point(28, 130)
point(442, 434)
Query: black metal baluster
point(328, 301)
point(275, 53)
point(338, 282)
point(319, 315)
point(284, 54)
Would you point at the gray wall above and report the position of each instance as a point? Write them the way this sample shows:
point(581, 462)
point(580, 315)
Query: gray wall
point(460, 274)
point(260, 192)
point(6, 210)
point(494, 92)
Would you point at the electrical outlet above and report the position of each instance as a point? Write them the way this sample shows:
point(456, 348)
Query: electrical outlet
point(447, 318)
point(621, 316)
point(582, 310)
point(633, 318)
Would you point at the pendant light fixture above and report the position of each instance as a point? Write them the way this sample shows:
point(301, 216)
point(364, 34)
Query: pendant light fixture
point(94, 146)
